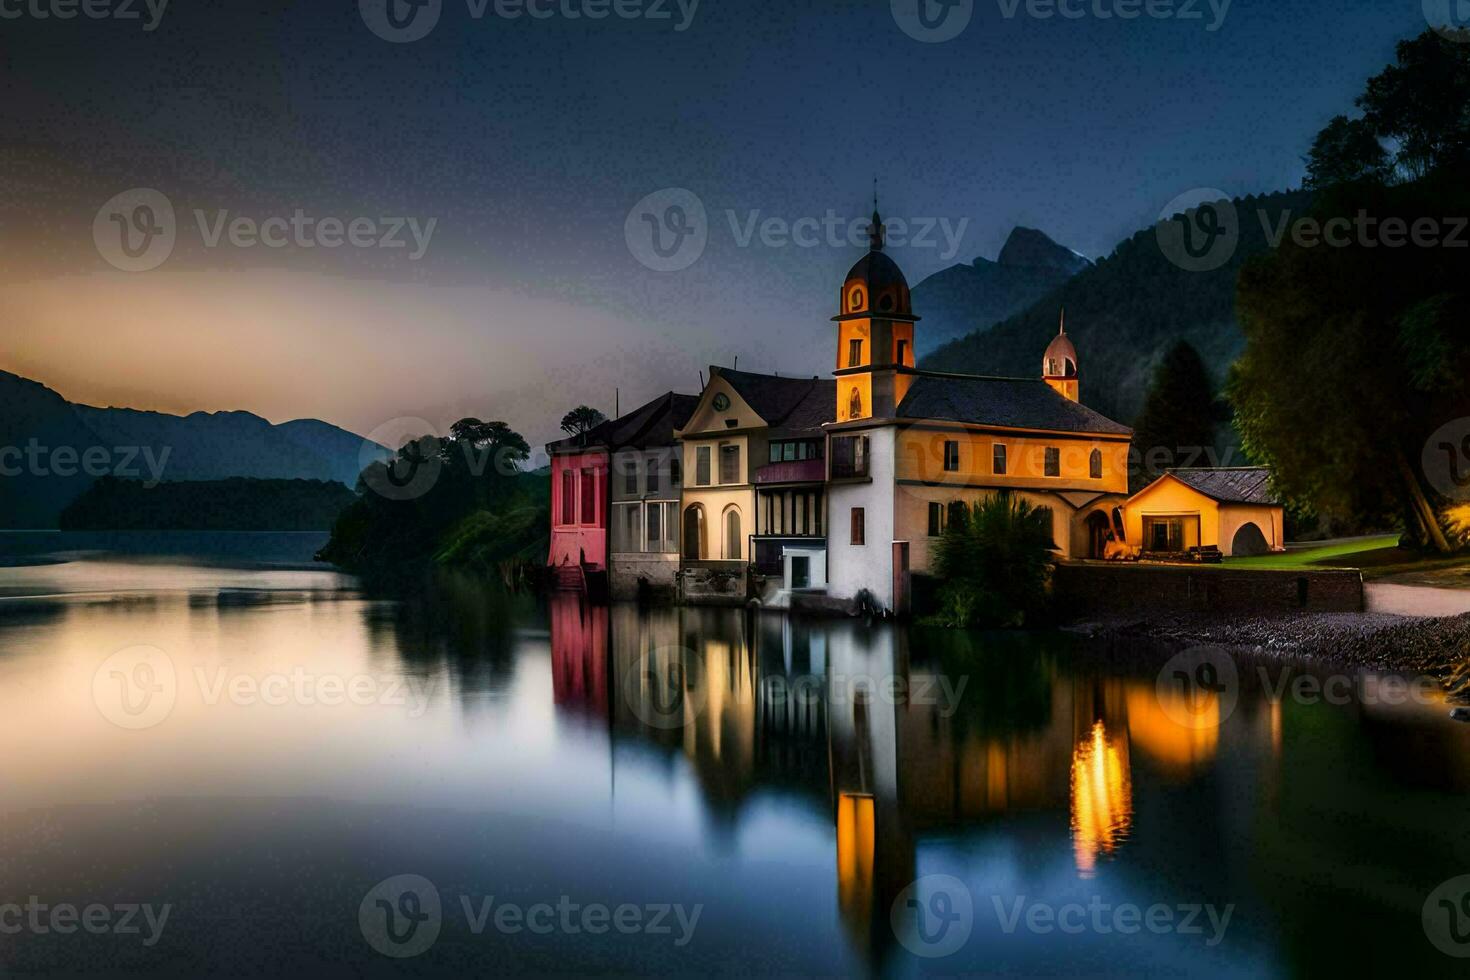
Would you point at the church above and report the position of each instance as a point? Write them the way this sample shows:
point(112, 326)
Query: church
point(821, 493)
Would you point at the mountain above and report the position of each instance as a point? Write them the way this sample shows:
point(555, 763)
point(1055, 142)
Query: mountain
point(51, 450)
point(1123, 313)
point(967, 298)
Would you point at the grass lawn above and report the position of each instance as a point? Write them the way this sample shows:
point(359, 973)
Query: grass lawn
point(1377, 558)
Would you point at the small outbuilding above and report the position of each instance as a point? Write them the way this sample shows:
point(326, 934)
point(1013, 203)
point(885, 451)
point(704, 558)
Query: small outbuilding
point(1230, 508)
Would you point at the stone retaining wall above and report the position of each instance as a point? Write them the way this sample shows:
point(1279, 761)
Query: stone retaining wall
point(1125, 589)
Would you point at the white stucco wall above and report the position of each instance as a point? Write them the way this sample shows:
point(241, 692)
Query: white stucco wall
point(852, 568)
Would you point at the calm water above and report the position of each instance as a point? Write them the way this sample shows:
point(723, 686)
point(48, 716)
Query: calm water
point(258, 745)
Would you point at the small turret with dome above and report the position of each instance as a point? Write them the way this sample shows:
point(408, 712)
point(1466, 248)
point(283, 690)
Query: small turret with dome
point(1059, 363)
point(875, 333)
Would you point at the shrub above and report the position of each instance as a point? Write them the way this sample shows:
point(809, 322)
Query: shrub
point(995, 564)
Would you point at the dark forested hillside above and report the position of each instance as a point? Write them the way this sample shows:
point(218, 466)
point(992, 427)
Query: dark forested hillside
point(1124, 312)
point(213, 505)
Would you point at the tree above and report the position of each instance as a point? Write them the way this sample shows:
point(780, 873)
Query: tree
point(581, 420)
point(996, 564)
point(1420, 103)
point(1355, 356)
point(1179, 417)
point(1346, 150)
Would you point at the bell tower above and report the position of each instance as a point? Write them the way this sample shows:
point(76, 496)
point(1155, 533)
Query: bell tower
point(1059, 364)
point(875, 334)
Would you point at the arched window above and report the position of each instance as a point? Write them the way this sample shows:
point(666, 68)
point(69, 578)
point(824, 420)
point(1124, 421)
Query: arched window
point(855, 300)
point(694, 546)
point(855, 405)
point(1095, 464)
point(733, 538)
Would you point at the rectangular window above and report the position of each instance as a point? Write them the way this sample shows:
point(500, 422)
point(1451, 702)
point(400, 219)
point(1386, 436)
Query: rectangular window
point(1094, 465)
point(850, 456)
point(568, 497)
point(998, 460)
point(859, 526)
point(630, 477)
point(817, 513)
point(671, 527)
point(654, 464)
point(655, 527)
point(729, 464)
point(854, 353)
point(632, 538)
point(788, 452)
point(936, 520)
point(903, 352)
point(701, 466)
point(676, 470)
point(589, 497)
point(951, 456)
point(1053, 461)
point(775, 452)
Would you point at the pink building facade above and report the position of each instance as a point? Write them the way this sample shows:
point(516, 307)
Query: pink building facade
point(579, 509)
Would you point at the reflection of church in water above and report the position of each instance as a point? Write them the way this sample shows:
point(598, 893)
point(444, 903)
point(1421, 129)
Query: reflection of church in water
point(755, 701)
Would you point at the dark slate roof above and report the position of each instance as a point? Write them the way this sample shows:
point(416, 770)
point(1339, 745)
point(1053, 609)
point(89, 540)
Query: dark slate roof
point(790, 406)
point(1230, 485)
point(646, 427)
point(1017, 403)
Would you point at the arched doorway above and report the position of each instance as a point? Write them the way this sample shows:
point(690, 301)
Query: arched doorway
point(733, 538)
point(694, 546)
point(1249, 541)
point(1098, 533)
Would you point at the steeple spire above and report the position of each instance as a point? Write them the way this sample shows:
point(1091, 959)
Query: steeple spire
point(1063, 331)
point(875, 228)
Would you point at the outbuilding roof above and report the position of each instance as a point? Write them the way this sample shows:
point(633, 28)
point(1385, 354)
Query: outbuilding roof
point(1229, 484)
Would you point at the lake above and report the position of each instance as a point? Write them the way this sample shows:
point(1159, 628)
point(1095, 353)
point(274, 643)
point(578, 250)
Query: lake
point(221, 758)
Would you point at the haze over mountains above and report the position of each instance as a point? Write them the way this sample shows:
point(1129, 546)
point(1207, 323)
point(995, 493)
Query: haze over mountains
point(54, 450)
point(967, 298)
point(1123, 313)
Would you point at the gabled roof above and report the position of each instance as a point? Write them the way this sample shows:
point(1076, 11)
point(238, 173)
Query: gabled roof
point(1017, 403)
point(1229, 484)
point(646, 427)
point(789, 406)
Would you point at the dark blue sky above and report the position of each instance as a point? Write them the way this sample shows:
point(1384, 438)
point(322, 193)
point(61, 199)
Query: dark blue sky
point(530, 140)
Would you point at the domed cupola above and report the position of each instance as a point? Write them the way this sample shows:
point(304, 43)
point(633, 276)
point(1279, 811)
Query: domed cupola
point(875, 334)
point(1059, 363)
point(875, 285)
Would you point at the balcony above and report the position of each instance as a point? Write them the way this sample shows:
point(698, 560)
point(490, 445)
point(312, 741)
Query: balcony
point(799, 471)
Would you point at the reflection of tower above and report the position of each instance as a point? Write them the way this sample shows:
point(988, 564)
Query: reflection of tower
point(1102, 785)
point(875, 848)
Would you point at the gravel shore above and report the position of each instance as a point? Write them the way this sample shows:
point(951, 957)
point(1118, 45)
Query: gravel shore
point(1379, 640)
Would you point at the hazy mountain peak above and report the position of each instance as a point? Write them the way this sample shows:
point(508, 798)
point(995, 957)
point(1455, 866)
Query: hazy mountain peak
point(1031, 248)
